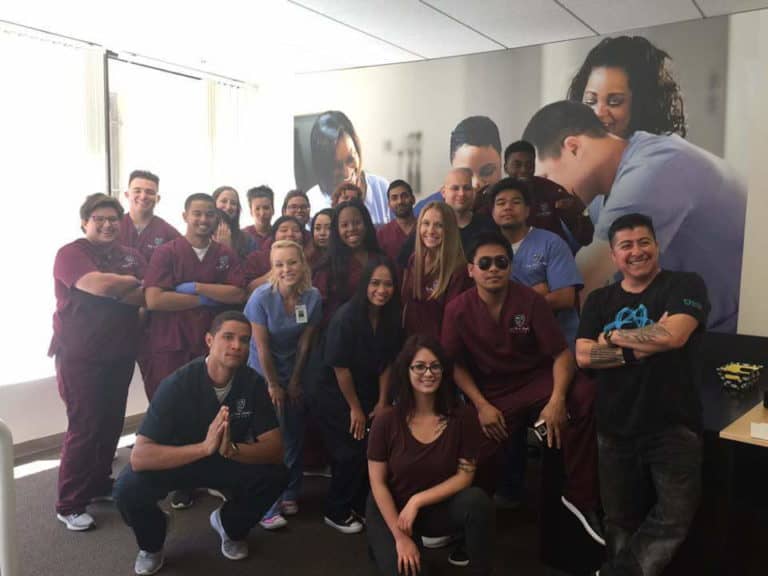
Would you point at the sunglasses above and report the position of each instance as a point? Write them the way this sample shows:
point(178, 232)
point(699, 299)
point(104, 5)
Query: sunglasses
point(485, 263)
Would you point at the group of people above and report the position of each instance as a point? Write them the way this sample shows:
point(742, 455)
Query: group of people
point(423, 340)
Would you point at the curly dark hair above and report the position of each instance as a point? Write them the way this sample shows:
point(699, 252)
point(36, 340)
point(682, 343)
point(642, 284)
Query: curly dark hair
point(657, 105)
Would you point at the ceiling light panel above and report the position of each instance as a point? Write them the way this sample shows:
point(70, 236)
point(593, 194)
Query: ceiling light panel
point(408, 24)
point(515, 23)
point(720, 7)
point(609, 16)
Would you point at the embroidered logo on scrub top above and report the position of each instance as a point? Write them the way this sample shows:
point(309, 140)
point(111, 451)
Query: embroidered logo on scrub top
point(158, 241)
point(518, 325)
point(129, 261)
point(240, 411)
point(537, 261)
point(223, 263)
point(544, 209)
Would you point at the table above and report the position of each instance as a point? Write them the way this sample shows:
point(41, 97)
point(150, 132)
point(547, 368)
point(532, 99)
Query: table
point(739, 429)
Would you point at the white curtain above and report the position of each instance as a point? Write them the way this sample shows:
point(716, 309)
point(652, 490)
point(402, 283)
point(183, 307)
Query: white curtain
point(52, 151)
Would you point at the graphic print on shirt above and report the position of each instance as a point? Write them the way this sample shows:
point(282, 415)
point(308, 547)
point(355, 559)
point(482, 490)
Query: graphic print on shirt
point(629, 318)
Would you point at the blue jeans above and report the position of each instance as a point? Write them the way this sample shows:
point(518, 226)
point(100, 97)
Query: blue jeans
point(641, 539)
point(292, 430)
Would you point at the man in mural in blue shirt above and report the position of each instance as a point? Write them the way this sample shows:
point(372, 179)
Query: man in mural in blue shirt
point(695, 200)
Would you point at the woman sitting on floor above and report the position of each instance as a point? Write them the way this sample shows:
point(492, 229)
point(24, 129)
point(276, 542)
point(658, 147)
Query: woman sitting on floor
point(421, 463)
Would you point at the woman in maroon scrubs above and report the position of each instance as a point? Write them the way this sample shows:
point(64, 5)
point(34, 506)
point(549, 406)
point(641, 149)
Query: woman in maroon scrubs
point(421, 463)
point(436, 272)
point(95, 340)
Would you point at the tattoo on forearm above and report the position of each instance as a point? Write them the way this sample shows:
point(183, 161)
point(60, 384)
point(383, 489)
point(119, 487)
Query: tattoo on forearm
point(644, 335)
point(605, 356)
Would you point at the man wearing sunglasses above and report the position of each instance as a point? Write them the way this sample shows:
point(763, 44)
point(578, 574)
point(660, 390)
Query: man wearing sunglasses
point(514, 365)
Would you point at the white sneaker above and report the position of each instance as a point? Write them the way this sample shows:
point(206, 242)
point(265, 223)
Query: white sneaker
point(77, 522)
point(232, 549)
point(148, 562)
point(433, 542)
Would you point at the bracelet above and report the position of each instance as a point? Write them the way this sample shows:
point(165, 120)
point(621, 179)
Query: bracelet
point(234, 449)
point(629, 356)
point(607, 335)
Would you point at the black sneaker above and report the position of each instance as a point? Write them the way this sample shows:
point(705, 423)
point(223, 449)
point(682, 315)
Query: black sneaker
point(349, 526)
point(588, 519)
point(181, 499)
point(458, 557)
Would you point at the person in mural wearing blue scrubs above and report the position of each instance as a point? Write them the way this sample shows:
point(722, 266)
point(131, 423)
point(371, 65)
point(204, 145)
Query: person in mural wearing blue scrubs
point(337, 158)
point(696, 201)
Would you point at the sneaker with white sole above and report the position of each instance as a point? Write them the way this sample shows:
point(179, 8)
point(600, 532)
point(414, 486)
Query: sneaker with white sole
point(435, 542)
point(148, 562)
point(182, 499)
point(78, 522)
point(232, 549)
point(588, 519)
point(349, 526)
point(274, 522)
point(458, 556)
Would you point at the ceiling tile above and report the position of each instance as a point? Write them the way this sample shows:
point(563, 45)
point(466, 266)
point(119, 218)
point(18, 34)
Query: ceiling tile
point(515, 23)
point(609, 16)
point(720, 7)
point(409, 24)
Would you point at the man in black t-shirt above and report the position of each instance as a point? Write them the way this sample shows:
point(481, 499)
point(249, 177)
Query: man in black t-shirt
point(211, 423)
point(641, 337)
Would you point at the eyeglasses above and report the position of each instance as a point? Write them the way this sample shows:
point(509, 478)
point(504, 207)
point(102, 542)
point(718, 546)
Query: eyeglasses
point(420, 368)
point(485, 263)
point(102, 219)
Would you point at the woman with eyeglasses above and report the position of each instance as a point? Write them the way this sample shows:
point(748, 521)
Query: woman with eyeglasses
point(284, 313)
point(436, 272)
point(98, 284)
point(361, 343)
point(421, 464)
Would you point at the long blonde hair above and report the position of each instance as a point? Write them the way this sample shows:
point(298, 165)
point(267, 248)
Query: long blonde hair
point(449, 258)
point(305, 282)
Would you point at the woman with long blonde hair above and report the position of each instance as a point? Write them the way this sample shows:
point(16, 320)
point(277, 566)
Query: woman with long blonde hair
point(284, 313)
point(436, 272)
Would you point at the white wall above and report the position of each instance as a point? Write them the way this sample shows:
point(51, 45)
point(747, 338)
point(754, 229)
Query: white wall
point(386, 103)
point(34, 410)
point(746, 147)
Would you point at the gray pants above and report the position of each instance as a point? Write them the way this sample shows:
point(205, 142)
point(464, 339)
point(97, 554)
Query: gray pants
point(642, 540)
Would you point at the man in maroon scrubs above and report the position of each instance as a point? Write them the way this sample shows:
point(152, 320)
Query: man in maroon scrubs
point(140, 228)
point(514, 366)
point(189, 280)
point(393, 235)
point(95, 336)
point(143, 231)
point(261, 201)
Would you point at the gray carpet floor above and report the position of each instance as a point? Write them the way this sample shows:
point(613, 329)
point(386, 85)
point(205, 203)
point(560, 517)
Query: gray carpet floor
point(305, 547)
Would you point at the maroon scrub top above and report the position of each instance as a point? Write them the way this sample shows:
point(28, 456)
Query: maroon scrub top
point(391, 239)
point(88, 326)
point(321, 279)
point(263, 241)
point(425, 316)
point(412, 466)
point(174, 263)
point(155, 234)
point(505, 356)
point(256, 265)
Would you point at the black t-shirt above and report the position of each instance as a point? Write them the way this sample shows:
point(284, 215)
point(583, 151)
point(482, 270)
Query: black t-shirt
point(479, 223)
point(186, 404)
point(660, 391)
point(351, 343)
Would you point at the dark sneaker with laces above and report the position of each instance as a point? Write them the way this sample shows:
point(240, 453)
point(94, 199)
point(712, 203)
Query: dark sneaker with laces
point(458, 557)
point(588, 519)
point(181, 499)
point(349, 526)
